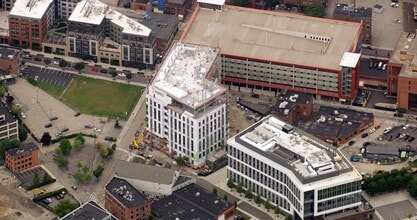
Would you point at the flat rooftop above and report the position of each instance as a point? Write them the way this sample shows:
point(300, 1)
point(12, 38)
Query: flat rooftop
point(4, 23)
point(309, 158)
point(190, 202)
point(30, 8)
point(162, 25)
point(154, 174)
point(335, 122)
point(7, 52)
point(87, 211)
point(405, 53)
point(274, 36)
point(125, 193)
point(349, 11)
point(94, 11)
point(23, 149)
point(287, 100)
point(183, 74)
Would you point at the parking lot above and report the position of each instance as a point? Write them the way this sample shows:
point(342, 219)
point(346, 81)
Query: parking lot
point(26, 177)
point(399, 137)
point(40, 107)
point(373, 71)
point(43, 75)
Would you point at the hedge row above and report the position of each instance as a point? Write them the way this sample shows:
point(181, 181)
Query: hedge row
point(49, 194)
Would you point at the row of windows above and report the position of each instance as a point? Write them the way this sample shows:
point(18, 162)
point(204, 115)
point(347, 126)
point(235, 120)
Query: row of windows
point(339, 202)
point(339, 190)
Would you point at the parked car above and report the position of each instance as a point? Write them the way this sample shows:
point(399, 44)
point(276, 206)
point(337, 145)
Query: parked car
point(411, 139)
point(406, 137)
point(37, 59)
point(387, 130)
point(372, 130)
point(88, 126)
point(384, 67)
point(406, 126)
point(401, 136)
point(377, 127)
point(254, 95)
point(371, 65)
point(64, 130)
point(74, 187)
point(399, 115)
point(48, 125)
point(364, 135)
point(94, 69)
point(57, 197)
point(103, 71)
point(351, 143)
point(397, 135)
point(77, 114)
point(53, 118)
point(390, 138)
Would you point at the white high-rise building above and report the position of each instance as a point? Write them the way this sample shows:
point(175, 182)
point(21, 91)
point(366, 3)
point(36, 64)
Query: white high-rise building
point(186, 106)
point(305, 176)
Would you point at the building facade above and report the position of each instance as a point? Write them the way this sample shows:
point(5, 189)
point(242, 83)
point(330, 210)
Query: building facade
point(185, 105)
point(22, 158)
point(259, 52)
point(65, 8)
point(29, 21)
point(10, 60)
point(92, 23)
point(9, 126)
point(125, 202)
point(306, 177)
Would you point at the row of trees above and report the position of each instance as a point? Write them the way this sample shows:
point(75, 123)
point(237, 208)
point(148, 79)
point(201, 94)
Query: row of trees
point(37, 182)
point(257, 199)
point(389, 181)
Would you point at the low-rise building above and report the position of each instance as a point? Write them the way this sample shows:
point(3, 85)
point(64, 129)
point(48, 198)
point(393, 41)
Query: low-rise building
point(126, 202)
point(293, 105)
point(301, 174)
point(10, 60)
point(151, 180)
point(89, 210)
point(9, 126)
point(22, 158)
point(193, 202)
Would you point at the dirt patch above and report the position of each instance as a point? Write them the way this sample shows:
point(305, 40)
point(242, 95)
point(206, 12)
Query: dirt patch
point(15, 203)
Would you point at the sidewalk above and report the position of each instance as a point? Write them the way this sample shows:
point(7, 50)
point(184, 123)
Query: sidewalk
point(218, 179)
point(90, 63)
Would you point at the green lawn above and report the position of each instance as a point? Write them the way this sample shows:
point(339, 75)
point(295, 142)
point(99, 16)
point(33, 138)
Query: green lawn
point(102, 98)
point(53, 90)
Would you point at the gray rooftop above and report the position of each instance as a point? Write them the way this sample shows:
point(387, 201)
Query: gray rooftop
point(335, 122)
point(349, 11)
point(23, 149)
point(8, 116)
point(274, 36)
point(126, 169)
point(386, 150)
point(8, 52)
point(125, 193)
point(87, 211)
point(162, 25)
point(287, 100)
point(190, 202)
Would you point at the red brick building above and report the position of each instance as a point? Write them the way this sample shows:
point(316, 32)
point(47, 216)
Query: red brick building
point(291, 106)
point(125, 202)
point(22, 158)
point(29, 21)
point(10, 60)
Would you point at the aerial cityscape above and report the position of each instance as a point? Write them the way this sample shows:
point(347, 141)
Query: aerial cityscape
point(208, 109)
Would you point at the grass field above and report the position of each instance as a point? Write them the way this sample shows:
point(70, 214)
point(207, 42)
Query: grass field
point(102, 98)
point(53, 90)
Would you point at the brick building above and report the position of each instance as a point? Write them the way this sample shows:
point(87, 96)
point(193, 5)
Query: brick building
point(125, 202)
point(22, 158)
point(10, 60)
point(291, 106)
point(29, 21)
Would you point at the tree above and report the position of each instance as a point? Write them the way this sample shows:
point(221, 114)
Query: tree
point(78, 145)
point(248, 194)
point(36, 181)
point(46, 139)
point(23, 134)
point(83, 174)
point(225, 197)
point(104, 152)
point(240, 2)
point(98, 171)
point(277, 210)
point(65, 146)
point(63, 63)
point(239, 188)
point(230, 183)
point(113, 146)
point(267, 204)
point(61, 161)
point(180, 161)
point(288, 217)
point(3, 91)
point(316, 10)
point(47, 61)
point(79, 66)
point(235, 203)
point(16, 110)
point(215, 191)
point(113, 73)
point(64, 207)
point(46, 178)
point(258, 199)
point(7, 144)
point(80, 137)
point(128, 75)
